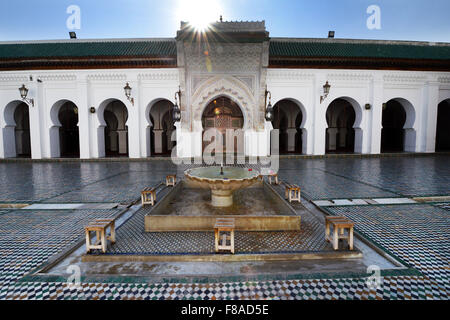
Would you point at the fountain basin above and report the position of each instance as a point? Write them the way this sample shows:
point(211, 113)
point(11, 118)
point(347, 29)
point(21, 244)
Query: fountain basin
point(223, 185)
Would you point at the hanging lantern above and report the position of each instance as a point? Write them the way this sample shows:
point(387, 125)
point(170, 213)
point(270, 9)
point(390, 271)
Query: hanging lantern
point(269, 112)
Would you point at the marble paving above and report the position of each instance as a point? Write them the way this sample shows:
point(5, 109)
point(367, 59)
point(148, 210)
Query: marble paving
point(417, 234)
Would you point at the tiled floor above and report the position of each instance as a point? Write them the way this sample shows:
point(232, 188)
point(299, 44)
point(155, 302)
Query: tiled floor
point(417, 234)
point(30, 237)
point(136, 241)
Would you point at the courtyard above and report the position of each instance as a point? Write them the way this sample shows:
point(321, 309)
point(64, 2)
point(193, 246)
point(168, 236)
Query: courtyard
point(399, 205)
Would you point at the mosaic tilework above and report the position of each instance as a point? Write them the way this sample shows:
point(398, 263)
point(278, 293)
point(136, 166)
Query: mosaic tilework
point(406, 176)
point(429, 254)
point(403, 287)
point(136, 240)
point(418, 234)
point(124, 187)
point(443, 205)
point(317, 184)
point(75, 181)
point(384, 177)
point(29, 238)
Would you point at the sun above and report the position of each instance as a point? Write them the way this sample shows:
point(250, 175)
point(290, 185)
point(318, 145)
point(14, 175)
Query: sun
point(199, 13)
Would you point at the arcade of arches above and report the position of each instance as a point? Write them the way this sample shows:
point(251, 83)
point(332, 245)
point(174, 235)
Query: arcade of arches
point(288, 118)
point(340, 134)
point(222, 113)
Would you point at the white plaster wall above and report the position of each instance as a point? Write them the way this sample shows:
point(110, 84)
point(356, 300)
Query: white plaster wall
point(90, 88)
point(422, 90)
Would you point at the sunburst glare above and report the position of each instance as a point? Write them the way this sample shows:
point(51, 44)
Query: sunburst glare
point(199, 13)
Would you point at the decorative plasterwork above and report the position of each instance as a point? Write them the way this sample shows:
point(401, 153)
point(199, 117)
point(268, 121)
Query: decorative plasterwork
point(401, 78)
point(224, 58)
point(349, 76)
point(444, 79)
point(228, 86)
point(162, 75)
point(197, 80)
point(107, 77)
point(248, 80)
point(57, 77)
point(291, 75)
point(14, 78)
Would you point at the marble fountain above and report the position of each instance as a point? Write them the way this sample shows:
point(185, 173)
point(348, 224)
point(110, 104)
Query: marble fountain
point(222, 182)
point(208, 193)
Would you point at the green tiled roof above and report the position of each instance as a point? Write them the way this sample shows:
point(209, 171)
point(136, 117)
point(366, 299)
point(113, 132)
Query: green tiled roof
point(88, 49)
point(340, 49)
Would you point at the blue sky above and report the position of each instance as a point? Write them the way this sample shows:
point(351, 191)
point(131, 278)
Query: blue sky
point(400, 19)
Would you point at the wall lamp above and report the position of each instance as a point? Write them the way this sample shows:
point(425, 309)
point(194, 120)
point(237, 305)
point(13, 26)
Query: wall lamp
point(269, 109)
point(176, 115)
point(127, 90)
point(23, 93)
point(326, 91)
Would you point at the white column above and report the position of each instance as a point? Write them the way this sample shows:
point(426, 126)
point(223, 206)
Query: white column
point(432, 113)
point(410, 140)
point(133, 127)
point(332, 138)
point(122, 141)
point(268, 127)
point(158, 140)
point(54, 138)
point(145, 141)
point(319, 124)
point(196, 139)
point(376, 115)
point(83, 118)
point(291, 132)
point(37, 125)
point(359, 142)
point(7, 142)
point(342, 136)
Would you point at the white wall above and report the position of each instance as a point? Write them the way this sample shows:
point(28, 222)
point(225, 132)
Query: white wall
point(420, 90)
point(87, 88)
point(93, 88)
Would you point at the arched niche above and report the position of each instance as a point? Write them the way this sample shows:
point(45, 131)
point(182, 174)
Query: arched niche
point(398, 133)
point(16, 130)
point(63, 131)
point(343, 133)
point(290, 119)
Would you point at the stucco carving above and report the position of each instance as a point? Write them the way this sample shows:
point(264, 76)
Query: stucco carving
point(160, 75)
point(289, 75)
point(228, 86)
point(107, 77)
point(223, 57)
point(13, 78)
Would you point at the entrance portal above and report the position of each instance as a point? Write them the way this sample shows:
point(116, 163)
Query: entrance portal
point(224, 114)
